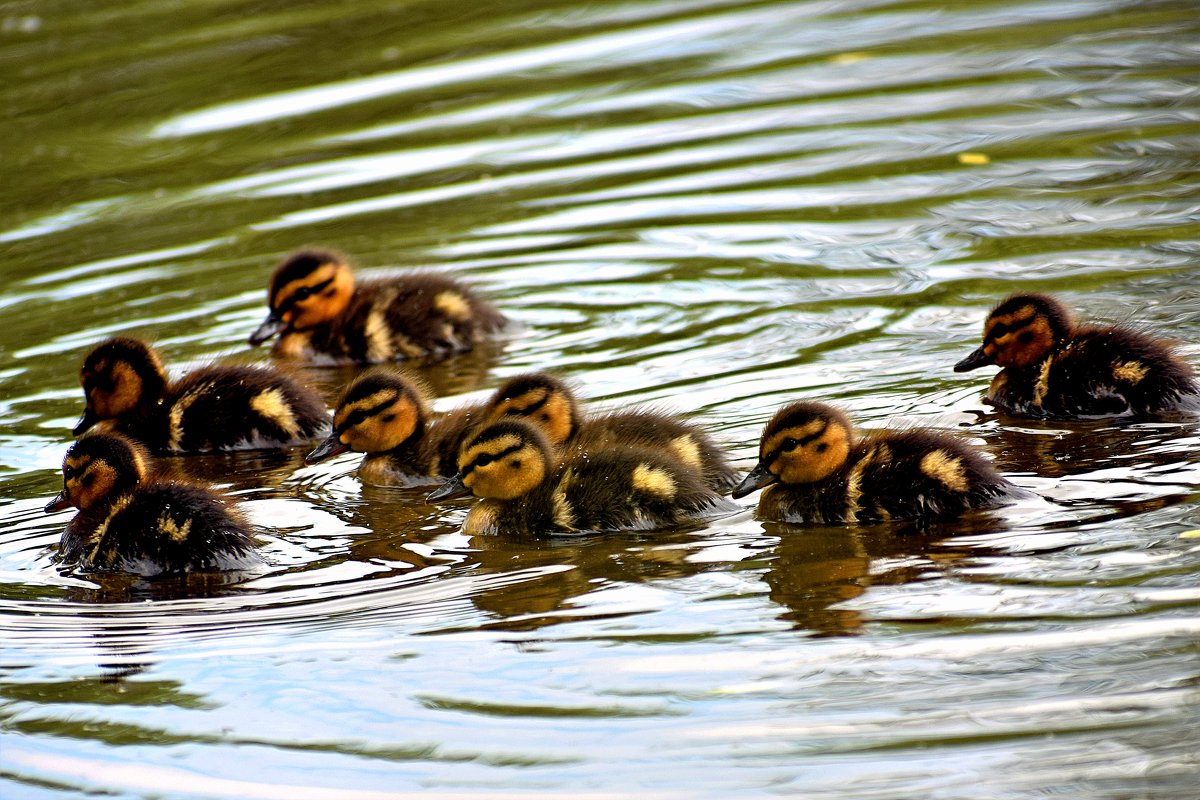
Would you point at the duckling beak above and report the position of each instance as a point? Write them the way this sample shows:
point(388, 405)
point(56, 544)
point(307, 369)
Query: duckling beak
point(759, 477)
point(453, 488)
point(60, 502)
point(332, 446)
point(973, 361)
point(85, 423)
point(271, 326)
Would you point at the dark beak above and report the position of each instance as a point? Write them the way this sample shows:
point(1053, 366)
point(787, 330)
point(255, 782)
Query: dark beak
point(453, 488)
point(88, 419)
point(58, 503)
point(271, 326)
point(759, 477)
point(332, 446)
point(973, 361)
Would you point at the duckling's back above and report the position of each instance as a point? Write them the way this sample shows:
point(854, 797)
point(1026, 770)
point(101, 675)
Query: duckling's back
point(1098, 372)
point(232, 407)
point(619, 488)
point(895, 475)
point(656, 430)
point(161, 528)
point(414, 316)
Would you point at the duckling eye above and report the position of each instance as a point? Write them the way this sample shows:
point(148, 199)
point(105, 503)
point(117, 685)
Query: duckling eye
point(69, 472)
point(790, 444)
point(303, 293)
point(1026, 337)
point(483, 460)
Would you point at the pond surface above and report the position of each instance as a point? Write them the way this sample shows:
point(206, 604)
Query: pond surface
point(712, 206)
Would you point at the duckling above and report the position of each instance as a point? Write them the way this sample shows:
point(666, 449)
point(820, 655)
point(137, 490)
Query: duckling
point(550, 404)
point(130, 521)
point(1053, 368)
point(212, 408)
point(321, 315)
point(385, 414)
point(817, 471)
point(525, 488)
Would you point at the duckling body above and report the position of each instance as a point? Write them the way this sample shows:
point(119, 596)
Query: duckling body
point(132, 522)
point(212, 408)
point(320, 314)
point(525, 488)
point(1052, 368)
point(816, 471)
point(384, 413)
point(550, 404)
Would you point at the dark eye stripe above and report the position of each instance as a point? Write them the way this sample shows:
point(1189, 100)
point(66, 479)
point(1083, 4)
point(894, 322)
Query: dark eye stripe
point(799, 443)
point(356, 416)
point(293, 299)
point(532, 407)
point(495, 457)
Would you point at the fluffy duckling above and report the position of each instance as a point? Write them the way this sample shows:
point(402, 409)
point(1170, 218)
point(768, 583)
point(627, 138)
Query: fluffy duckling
point(550, 404)
point(212, 408)
point(817, 471)
point(129, 521)
point(1053, 368)
point(385, 414)
point(321, 315)
point(526, 489)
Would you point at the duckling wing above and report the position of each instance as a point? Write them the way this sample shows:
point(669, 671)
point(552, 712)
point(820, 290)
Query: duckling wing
point(236, 407)
point(171, 528)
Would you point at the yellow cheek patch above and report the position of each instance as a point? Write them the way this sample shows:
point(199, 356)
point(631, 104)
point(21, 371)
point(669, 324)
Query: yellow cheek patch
point(453, 305)
point(173, 530)
point(653, 480)
point(946, 469)
point(272, 405)
point(686, 449)
point(1131, 372)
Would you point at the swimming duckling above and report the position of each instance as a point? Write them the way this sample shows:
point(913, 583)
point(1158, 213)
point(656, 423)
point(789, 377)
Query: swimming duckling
point(1053, 368)
point(385, 414)
point(525, 488)
point(817, 471)
point(129, 521)
point(550, 404)
point(212, 408)
point(321, 315)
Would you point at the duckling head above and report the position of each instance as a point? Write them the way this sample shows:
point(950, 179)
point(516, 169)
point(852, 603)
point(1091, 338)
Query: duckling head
point(803, 443)
point(542, 399)
point(503, 460)
point(1020, 332)
point(309, 288)
point(97, 467)
point(381, 410)
point(118, 376)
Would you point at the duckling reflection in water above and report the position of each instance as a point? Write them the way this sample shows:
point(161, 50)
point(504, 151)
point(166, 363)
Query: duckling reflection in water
point(212, 408)
point(1054, 368)
point(524, 488)
point(321, 314)
point(130, 521)
point(817, 471)
point(550, 404)
point(385, 414)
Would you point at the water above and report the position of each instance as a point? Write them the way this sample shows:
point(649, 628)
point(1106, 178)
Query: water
point(712, 206)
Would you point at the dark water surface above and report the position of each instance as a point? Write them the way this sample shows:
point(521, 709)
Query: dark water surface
point(715, 206)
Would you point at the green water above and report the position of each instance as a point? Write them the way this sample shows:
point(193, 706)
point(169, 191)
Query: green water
point(715, 207)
